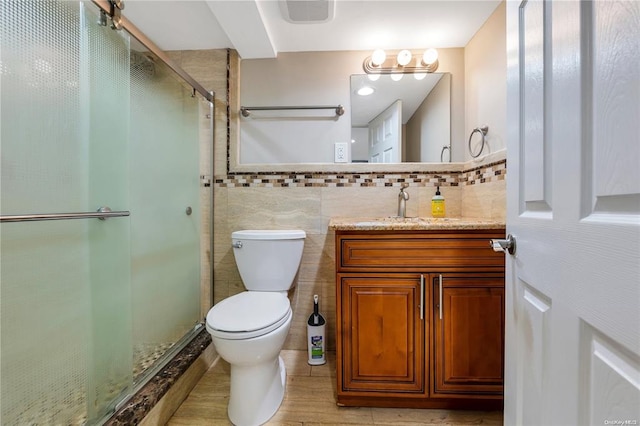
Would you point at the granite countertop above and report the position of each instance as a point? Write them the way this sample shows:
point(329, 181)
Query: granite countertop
point(394, 223)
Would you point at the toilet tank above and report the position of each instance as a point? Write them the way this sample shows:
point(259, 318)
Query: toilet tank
point(268, 260)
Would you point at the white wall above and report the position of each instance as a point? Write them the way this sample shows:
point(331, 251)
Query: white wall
point(297, 79)
point(360, 146)
point(485, 70)
point(428, 130)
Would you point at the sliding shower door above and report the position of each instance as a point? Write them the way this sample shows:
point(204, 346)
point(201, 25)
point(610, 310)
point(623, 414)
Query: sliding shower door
point(165, 208)
point(65, 301)
point(87, 305)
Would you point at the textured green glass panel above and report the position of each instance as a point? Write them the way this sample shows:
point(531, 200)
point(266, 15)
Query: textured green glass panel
point(164, 183)
point(105, 63)
point(44, 266)
point(65, 285)
point(87, 123)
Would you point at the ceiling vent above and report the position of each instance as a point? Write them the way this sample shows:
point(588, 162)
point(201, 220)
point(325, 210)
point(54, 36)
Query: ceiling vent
point(308, 11)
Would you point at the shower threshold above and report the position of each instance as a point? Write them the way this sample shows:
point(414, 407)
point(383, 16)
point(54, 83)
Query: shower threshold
point(154, 382)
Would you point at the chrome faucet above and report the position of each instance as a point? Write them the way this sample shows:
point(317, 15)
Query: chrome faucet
point(402, 200)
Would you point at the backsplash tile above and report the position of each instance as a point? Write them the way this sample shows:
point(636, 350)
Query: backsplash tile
point(486, 173)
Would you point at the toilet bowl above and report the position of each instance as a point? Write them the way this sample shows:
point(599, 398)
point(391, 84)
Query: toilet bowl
point(249, 329)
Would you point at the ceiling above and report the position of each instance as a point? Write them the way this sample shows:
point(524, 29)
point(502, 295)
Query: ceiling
point(258, 28)
point(411, 91)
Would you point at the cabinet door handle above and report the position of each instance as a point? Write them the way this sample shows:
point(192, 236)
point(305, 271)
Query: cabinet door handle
point(421, 297)
point(440, 294)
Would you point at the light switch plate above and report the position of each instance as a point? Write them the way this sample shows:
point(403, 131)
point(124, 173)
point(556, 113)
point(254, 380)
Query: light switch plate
point(340, 152)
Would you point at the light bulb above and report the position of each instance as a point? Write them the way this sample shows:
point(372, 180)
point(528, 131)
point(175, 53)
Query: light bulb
point(429, 56)
point(378, 57)
point(396, 77)
point(419, 75)
point(373, 77)
point(404, 57)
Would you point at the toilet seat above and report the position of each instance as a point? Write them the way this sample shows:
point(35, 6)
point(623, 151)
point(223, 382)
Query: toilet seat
point(248, 314)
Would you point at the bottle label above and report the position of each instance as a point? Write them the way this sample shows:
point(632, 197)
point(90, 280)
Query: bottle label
point(437, 208)
point(316, 347)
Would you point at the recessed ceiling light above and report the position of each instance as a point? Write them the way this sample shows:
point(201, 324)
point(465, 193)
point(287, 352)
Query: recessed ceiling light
point(365, 91)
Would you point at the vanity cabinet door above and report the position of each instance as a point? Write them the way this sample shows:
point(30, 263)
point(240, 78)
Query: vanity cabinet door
point(380, 335)
point(468, 335)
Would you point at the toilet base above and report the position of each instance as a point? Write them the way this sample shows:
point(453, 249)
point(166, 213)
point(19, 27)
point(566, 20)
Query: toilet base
point(256, 392)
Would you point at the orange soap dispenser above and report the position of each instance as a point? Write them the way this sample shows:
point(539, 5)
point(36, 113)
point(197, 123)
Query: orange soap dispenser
point(437, 204)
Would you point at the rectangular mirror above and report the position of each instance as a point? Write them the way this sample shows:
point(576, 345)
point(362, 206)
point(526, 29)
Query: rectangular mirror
point(401, 120)
point(308, 140)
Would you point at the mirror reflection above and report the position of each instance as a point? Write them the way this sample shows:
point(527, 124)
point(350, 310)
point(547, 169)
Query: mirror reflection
point(401, 120)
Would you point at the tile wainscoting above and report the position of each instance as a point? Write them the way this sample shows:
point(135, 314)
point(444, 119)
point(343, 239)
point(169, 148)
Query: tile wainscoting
point(283, 200)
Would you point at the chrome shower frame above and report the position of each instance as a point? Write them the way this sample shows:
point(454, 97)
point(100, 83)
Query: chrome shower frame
point(112, 9)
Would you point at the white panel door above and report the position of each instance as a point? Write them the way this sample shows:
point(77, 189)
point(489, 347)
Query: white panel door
point(573, 195)
point(385, 135)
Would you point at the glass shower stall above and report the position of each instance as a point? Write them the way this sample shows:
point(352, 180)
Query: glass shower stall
point(100, 199)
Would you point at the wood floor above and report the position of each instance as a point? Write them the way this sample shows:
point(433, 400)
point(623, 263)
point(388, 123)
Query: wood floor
point(310, 401)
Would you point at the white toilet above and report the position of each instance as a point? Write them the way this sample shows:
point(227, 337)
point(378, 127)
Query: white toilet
point(249, 329)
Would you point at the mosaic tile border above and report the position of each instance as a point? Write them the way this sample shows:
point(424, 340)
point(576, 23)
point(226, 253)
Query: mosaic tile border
point(483, 174)
point(488, 173)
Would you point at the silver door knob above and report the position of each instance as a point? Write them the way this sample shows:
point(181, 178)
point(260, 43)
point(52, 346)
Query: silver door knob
point(506, 246)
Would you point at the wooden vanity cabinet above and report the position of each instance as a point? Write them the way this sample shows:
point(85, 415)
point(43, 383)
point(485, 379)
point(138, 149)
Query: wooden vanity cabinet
point(468, 335)
point(383, 349)
point(395, 346)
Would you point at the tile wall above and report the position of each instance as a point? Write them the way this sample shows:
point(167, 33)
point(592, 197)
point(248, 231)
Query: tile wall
point(308, 201)
point(208, 67)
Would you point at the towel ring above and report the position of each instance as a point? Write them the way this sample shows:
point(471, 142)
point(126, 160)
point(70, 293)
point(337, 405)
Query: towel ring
point(483, 132)
point(445, 148)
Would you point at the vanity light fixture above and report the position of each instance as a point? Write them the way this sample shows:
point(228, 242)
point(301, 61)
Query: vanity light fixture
point(378, 57)
point(401, 63)
point(429, 57)
point(403, 58)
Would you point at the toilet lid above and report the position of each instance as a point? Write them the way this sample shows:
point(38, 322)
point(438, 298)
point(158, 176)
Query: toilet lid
point(260, 234)
point(248, 311)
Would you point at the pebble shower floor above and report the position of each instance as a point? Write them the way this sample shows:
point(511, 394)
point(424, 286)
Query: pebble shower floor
point(72, 409)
